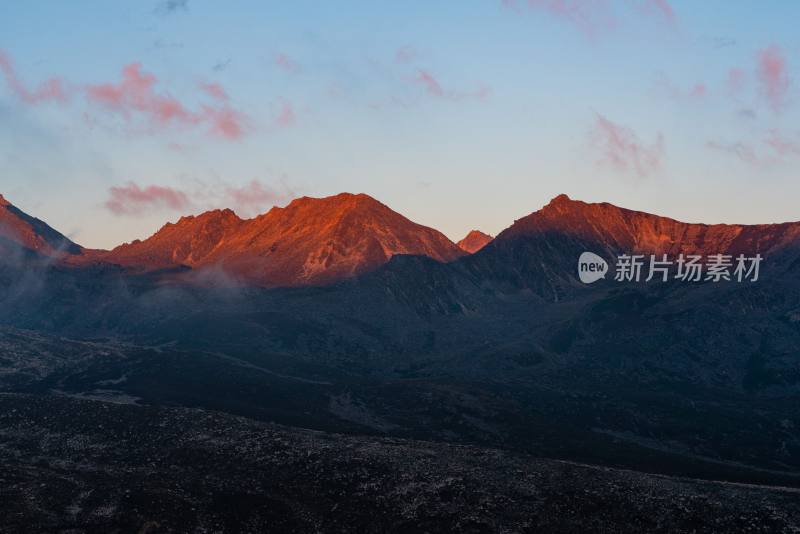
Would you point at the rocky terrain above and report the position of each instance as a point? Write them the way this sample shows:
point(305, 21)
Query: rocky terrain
point(87, 466)
point(31, 233)
point(311, 241)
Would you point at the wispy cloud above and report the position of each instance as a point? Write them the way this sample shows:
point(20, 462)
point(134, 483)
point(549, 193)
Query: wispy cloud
point(168, 7)
point(135, 96)
point(591, 17)
point(431, 84)
point(773, 148)
point(225, 122)
point(663, 9)
point(214, 90)
point(255, 197)
point(134, 200)
point(782, 144)
point(406, 54)
point(52, 89)
point(696, 91)
point(774, 77)
point(432, 87)
point(621, 149)
point(739, 149)
point(286, 63)
point(594, 17)
point(219, 66)
point(131, 199)
point(286, 117)
point(736, 80)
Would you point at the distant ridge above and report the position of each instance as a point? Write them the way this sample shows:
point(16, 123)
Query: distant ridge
point(635, 231)
point(474, 241)
point(320, 241)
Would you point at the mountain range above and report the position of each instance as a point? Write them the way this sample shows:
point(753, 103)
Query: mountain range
point(340, 315)
point(319, 241)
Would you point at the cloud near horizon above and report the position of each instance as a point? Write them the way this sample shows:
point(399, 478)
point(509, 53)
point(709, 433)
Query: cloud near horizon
point(773, 148)
point(255, 197)
point(621, 149)
point(133, 200)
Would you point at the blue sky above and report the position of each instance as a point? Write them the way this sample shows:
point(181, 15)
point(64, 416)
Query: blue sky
point(458, 114)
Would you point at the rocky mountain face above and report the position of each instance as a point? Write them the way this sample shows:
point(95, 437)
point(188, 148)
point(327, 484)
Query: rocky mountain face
point(539, 251)
point(312, 241)
point(474, 241)
point(190, 242)
point(620, 229)
point(22, 230)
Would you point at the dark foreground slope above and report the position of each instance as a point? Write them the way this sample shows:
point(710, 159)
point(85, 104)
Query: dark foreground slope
point(87, 466)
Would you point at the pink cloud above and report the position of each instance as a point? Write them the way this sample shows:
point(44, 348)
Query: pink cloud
point(131, 199)
point(594, 17)
point(50, 90)
point(664, 10)
point(225, 122)
point(286, 116)
point(255, 197)
point(622, 150)
point(430, 83)
point(698, 91)
point(772, 73)
point(432, 86)
point(286, 64)
point(591, 17)
point(782, 145)
point(135, 96)
point(736, 80)
point(215, 90)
